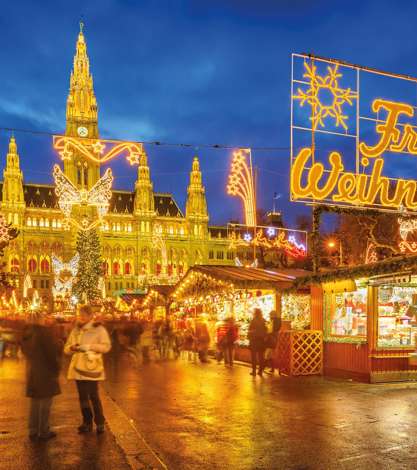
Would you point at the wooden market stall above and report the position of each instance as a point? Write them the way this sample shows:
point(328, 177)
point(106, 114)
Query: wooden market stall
point(217, 292)
point(368, 318)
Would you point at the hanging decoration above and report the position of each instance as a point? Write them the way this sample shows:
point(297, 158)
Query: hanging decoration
point(27, 284)
point(270, 238)
point(241, 183)
point(69, 196)
point(98, 151)
point(407, 226)
point(5, 235)
point(64, 275)
point(371, 256)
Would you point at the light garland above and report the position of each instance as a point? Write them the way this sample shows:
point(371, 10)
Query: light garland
point(4, 230)
point(371, 256)
point(289, 245)
point(241, 183)
point(68, 196)
point(407, 226)
point(94, 150)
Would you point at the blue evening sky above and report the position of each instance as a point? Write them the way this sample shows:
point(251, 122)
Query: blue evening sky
point(203, 71)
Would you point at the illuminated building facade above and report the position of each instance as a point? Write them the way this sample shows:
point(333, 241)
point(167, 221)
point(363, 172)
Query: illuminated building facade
point(145, 237)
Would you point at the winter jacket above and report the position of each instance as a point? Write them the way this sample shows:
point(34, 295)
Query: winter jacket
point(93, 338)
point(257, 333)
point(43, 354)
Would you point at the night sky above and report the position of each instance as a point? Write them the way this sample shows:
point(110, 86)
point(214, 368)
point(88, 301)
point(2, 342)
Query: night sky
point(200, 72)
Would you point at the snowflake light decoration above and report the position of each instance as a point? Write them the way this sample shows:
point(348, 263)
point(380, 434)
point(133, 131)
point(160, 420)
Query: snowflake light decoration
point(247, 237)
point(270, 231)
point(318, 86)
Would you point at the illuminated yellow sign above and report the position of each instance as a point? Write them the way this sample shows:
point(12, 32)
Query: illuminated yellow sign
point(342, 123)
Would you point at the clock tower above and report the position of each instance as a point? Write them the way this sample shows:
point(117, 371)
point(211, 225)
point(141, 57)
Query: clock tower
point(81, 116)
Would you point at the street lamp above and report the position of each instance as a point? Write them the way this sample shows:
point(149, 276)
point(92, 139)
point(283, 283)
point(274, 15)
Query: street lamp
point(332, 244)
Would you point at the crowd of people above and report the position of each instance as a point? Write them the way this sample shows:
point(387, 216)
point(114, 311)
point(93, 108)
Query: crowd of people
point(44, 342)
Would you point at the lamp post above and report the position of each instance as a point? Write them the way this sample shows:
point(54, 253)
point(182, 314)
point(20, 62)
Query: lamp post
point(332, 244)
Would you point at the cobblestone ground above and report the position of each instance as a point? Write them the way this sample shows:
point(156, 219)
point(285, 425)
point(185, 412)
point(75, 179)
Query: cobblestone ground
point(209, 417)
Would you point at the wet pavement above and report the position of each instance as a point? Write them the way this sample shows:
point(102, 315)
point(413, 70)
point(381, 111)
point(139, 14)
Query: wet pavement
point(192, 416)
point(209, 417)
point(68, 451)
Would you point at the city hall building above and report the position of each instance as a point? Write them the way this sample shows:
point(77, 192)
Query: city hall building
point(145, 237)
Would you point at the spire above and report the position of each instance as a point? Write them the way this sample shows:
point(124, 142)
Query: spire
point(12, 179)
point(144, 200)
point(12, 156)
point(81, 102)
point(196, 198)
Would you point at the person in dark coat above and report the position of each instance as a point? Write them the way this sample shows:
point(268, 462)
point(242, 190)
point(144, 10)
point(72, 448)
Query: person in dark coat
point(43, 358)
point(257, 335)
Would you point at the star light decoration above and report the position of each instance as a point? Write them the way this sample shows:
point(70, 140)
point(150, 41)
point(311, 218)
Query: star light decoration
point(69, 195)
point(328, 84)
point(241, 184)
point(95, 150)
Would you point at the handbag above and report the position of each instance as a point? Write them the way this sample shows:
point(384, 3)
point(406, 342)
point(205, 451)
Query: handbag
point(89, 364)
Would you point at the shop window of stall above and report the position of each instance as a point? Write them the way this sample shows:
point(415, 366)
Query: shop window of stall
point(397, 309)
point(348, 314)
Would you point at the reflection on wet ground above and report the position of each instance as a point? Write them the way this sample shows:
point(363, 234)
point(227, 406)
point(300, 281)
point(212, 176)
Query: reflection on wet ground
point(204, 416)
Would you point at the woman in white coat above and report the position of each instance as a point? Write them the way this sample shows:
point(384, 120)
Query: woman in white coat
point(87, 343)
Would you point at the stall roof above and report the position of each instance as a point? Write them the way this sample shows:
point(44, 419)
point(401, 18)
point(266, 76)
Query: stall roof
point(241, 273)
point(387, 266)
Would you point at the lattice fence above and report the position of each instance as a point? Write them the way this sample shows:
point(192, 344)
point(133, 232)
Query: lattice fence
point(300, 352)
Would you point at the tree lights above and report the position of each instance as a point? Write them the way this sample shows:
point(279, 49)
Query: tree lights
point(241, 183)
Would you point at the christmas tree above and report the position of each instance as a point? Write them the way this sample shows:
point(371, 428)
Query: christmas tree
point(86, 287)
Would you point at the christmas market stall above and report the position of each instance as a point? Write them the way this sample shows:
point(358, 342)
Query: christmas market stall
point(368, 317)
point(218, 292)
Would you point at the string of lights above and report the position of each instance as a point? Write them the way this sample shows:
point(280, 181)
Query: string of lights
point(153, 142)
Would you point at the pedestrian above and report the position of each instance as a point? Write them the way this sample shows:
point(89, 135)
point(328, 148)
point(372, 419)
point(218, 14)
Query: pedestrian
point(189, 340)
point(146, 342)
point(232, 335)
point(271, 341)
point(86, 344)
point(202, 340)
point(257, 335)
point(221, 330)
point(43, 362)
point(166, 338)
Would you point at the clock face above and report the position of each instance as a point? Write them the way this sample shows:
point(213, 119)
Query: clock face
point(82, 131)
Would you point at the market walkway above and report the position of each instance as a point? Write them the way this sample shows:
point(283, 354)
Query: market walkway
point(68, 450)
point(209, 417)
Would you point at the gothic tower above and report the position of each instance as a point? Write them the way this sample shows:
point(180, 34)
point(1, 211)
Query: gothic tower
point(13, 202)
point(144, 201)
point(81, 116)
point(196, 206)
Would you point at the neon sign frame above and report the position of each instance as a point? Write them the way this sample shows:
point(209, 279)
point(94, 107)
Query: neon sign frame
point(327, 176)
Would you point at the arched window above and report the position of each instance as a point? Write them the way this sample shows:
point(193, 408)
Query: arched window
point(79, 176)
point(32, 265)
point(14, 265)
point(16, 219)
point(45, 266)
point(116, 268)
point(29, 222)
point(106, 268)
point(170, 269)
point(180, 269)
point(86, 177)
point(158, 268)
point(128, 268)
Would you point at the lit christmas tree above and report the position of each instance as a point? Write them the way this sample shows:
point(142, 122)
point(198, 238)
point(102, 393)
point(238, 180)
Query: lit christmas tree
point(86, 287)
